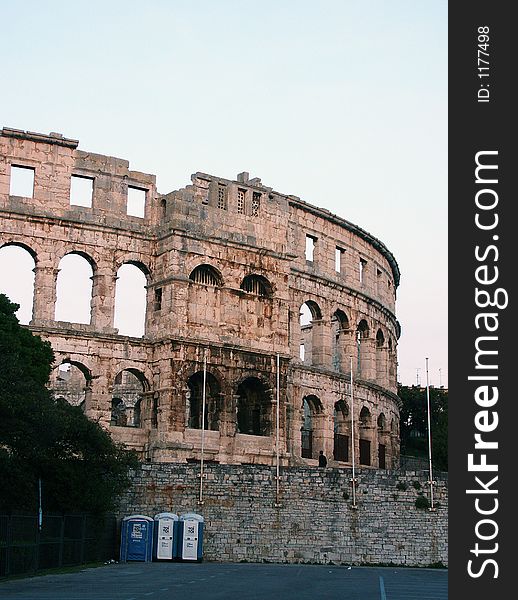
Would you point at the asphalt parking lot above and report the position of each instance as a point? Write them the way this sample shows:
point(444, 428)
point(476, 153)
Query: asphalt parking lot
point(167, 581)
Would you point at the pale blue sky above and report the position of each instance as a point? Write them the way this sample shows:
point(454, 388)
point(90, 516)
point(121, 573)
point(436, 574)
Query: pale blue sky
point(343, 103)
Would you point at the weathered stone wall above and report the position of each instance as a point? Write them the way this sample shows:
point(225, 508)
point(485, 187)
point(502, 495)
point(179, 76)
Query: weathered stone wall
point(314, 522)
point(238, 230)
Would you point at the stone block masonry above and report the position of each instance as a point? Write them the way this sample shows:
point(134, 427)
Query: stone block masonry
point(231, 272)
point(314, 522)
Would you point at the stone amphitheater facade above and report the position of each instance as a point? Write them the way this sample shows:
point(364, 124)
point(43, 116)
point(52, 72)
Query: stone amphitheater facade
point(229, 266)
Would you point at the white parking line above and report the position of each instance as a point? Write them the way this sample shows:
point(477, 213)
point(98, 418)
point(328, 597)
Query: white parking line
point(383, 596)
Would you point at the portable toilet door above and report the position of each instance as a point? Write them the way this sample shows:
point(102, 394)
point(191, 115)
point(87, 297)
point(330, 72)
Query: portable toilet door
point(136, 538)
point(191, 541)
point(165, 536)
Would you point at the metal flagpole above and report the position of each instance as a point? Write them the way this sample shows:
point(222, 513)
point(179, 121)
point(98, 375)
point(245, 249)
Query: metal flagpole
point(353, 481)
point(429, 437)
point(200, 501)
point(277, 478)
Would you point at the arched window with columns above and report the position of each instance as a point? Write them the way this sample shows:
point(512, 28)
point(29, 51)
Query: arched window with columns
point(383, 439)
point(17, 266)
point(257, 285)
point(254, 407)
point(381, 358)
point(362, 335)
point(342, 431)
point(131, 299)
point(71, 381)
point(128, 389)
point(365, 436)
point(213, 401)
point(311, 340)
point(74, 288)
point(339, 331)
point(311, 433)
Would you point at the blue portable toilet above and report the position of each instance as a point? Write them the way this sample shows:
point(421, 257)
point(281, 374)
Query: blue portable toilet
point(190, 538)
point(136, 538)
point(166, 534)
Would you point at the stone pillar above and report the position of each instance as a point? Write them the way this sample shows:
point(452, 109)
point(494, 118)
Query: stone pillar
point(384, 438)
point(297, 422)
point(103, 300)
point(319, 435)
point(227, 427)
point(44, 302)
point(391, 376)
point(320, 343)
point(88, 406)
point(355, 434)
point(374, 445)
point(101, 400)
point(228, 415)
point(348, 349)
point(328, 435)
point(381, 365)
point(367, 369)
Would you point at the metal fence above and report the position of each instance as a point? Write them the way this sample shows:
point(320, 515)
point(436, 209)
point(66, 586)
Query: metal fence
point(63, 541)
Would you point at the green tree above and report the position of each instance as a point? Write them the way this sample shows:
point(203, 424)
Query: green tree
point(80, 467)
point(414, 425)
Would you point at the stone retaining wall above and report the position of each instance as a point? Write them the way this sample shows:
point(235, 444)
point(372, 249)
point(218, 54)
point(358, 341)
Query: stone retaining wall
point(314, 522)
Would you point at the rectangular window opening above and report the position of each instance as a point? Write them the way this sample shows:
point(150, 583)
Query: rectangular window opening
point(256, 204)
point(222, 197)
point(363, 267)
point(136, 202)
point(22, 181)
point(158, 298)
point(339, 259)
point(241, 201)
point(302, 352)
point(310, 247)
point(81, 191)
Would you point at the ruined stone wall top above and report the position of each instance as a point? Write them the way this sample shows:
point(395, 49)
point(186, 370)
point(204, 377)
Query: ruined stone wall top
point(54, 161)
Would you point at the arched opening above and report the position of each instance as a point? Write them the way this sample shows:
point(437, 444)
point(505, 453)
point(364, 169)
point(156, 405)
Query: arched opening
point(365, 436)
point(341, 431)
point(382, 441)
point(381, 360)
point(391, 363)
point(129, 386)
point(130, 300)
point(310, 440)
point(258, 285)
point(118, 413)
point(17, 264)
point(254, 407)
point(206, 275)
point(381, 422)
point(310, 333)
point(339, 325)
point(70, 381)
point(74, 289)
point(362, 334)
point(365, 417)
point(194, 405)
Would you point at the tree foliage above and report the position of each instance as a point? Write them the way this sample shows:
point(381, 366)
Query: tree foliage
point(80, 467)
point(414, 426)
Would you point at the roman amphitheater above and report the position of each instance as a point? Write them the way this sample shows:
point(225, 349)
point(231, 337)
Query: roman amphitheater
point(256, 297)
